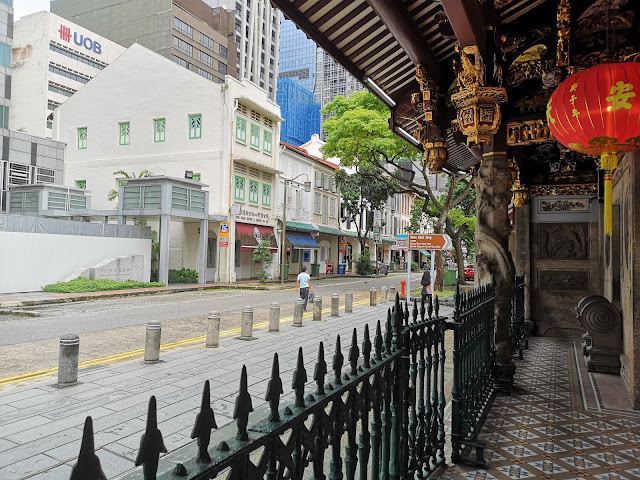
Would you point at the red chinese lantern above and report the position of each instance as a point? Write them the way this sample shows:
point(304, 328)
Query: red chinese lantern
point(597, 111)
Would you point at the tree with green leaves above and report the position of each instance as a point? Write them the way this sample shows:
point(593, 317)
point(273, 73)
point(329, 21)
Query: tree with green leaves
point(363, 192)
point(113, 194)
point(358, 133)
point(262, 254)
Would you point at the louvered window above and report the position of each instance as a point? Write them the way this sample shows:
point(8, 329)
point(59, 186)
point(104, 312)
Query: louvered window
point(195, 126)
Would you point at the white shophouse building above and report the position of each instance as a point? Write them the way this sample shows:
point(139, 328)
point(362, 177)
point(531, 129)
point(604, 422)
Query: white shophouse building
point(52, 59)
point(145, 112)
point(313, 234)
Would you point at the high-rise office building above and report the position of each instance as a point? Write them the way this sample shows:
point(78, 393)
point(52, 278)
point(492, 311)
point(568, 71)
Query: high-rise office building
point(297, 55)
point(257, 27)
point(52, 59)
point(300, 111)
point(332, 79)
point(24, 159)
point(189, 32)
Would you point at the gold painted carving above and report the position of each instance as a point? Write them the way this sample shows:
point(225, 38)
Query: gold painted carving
point(577, 189)
point(428, 134)
point(521, 72)
point(478, 106)
point(564, 33)
point(519, 193)
point(528, 132)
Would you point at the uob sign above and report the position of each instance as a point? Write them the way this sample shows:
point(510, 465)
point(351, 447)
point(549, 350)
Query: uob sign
point(81, 40)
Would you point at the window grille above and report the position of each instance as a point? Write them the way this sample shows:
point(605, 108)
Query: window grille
point(19, 174)
point(45, 175)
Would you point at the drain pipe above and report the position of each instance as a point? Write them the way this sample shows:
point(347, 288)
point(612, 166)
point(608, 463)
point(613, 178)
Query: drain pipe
point(232, 223)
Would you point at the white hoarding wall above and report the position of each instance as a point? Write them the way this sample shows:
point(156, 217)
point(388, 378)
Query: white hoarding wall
point(29, 261)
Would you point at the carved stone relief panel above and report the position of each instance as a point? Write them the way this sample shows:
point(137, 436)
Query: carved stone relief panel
point(564, 241)
point(563, 280)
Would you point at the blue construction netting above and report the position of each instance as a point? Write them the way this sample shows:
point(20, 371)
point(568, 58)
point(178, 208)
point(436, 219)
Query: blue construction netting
point(300, 111)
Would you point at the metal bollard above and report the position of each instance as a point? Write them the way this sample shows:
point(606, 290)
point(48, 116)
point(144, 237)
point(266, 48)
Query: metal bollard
point(335, 305)
point(274, 317)
point(348, 302)
point(246, 327)
point(298, 310)
point(392, 293)
point(152, 342)
point(213, 330)
point(373, 297)
point(383, 294)
point(317, 309)
point(68, 360)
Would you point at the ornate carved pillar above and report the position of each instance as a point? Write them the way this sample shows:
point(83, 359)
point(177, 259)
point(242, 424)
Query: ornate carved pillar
point(493, 259)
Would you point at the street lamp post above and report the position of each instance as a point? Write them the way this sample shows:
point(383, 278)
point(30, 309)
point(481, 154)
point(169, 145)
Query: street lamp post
point(283, 238)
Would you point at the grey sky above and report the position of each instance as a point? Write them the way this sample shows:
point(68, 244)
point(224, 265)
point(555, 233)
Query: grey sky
point(25, 7)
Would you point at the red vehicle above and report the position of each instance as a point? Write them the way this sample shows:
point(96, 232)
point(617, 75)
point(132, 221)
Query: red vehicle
point(469, 272)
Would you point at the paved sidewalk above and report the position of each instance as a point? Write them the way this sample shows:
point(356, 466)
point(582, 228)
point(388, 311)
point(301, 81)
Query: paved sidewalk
point(41, 425)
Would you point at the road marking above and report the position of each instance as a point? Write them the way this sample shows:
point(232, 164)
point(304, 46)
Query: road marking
point(140, 351)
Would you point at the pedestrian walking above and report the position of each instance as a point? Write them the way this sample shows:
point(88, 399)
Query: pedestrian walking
point(427, 288)
point(303, 284)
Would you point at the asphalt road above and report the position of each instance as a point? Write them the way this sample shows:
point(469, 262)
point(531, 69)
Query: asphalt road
point(103, 315)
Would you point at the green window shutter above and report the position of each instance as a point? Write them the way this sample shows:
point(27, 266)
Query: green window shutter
point(267, 142)
point(82, 138)
point(239, 188)
point(125, 130)
point(195, 126)
point(241, 129)
point(197, 177)
point(266, 195)
point(159, 130)
point(255, 135)
point(81, 184)
point(253, 191)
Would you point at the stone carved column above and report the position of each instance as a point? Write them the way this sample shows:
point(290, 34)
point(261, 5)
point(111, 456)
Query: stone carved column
point(493, 259)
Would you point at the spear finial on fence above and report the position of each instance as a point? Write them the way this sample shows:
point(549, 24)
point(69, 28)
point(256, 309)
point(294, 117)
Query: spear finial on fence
point(436, 307)
point(274, 390)
point(299, 380)
point(338, 361)
point(388, 334)
point(151, 444)
point(422, 309)
point(243, 407)
point(205, 422)
point(88, 465)
point(366, 347)
point(320, 371)
point(414, 312)
point(377, 342)
point(354, 353)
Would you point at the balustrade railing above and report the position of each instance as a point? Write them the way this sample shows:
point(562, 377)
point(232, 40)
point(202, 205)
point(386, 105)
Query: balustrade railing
point(473, 360)
point(382, 418)
point(518, 332)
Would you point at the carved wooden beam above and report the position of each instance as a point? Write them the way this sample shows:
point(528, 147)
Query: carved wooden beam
point(400, 23)
point(470, 20)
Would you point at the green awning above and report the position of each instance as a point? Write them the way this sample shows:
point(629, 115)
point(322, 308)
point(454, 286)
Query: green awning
point(349, 233)
point(330, 230)
point(426, 252)
point(389, 239)
point(304, 227)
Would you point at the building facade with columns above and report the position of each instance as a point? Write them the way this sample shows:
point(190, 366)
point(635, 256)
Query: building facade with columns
point(186, 126)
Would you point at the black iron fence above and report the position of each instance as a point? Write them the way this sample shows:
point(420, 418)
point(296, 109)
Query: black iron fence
point(473, 359)
point(381, 417)
point(518, 332)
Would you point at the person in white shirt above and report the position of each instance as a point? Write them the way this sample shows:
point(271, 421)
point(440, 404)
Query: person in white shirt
point(303, 284)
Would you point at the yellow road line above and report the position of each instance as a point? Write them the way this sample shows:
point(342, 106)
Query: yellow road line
point(140, 351)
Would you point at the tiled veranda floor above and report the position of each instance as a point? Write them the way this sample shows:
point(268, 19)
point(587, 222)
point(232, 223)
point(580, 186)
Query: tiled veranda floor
point(554, 425)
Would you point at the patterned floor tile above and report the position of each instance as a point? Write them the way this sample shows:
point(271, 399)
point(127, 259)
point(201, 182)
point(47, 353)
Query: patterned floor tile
point(515, 471)
point(580, 463)
point(539, 432)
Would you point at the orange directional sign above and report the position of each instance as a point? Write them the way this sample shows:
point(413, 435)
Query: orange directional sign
point(418, 241)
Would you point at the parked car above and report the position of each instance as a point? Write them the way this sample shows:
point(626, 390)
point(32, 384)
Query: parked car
point(380, 268)
point(469, 272)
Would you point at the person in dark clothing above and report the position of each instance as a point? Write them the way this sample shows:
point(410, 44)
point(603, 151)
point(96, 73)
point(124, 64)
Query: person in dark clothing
point(427, 289)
